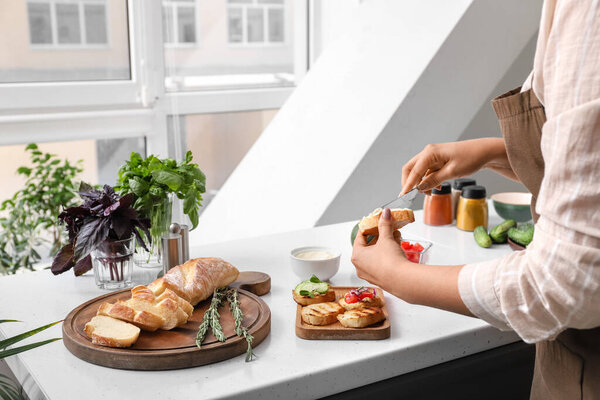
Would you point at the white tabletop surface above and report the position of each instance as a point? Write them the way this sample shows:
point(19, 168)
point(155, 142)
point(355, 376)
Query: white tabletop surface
point(287, 366)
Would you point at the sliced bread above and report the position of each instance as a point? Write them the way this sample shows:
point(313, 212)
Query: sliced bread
point(321, 313)
point(111, 332)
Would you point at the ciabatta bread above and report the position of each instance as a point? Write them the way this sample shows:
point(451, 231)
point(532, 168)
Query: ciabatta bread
point(111, 332)
point(318, 298)
point(142, 299)
point(366, 302)
point(321, 313)
point(369, 225)
point(361, 317)
point(196, 279)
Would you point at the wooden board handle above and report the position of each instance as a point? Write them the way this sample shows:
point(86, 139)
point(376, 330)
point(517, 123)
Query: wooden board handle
point(255, 282)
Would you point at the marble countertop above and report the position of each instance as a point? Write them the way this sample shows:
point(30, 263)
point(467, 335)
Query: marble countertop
point(286, 366)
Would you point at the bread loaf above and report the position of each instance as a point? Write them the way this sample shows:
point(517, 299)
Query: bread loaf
point(369, 225)
point(196, 279)
point(111, 332)
point(147, 321)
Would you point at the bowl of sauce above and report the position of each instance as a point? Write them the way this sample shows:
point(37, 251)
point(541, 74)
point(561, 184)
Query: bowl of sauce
point(324, 262)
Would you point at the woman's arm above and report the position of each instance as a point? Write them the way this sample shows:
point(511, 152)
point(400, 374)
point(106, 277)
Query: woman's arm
point(440, 162)
point(430, 285)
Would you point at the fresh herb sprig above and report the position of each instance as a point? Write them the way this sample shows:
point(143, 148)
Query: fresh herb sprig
point(151, 180)
point(238, 317)
point(211, 319)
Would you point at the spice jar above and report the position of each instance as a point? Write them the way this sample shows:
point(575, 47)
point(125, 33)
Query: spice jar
point(472, 209)
point(457, 187)
point(438, 207)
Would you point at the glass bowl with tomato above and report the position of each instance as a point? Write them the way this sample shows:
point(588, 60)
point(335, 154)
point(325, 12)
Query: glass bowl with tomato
point(416, 250)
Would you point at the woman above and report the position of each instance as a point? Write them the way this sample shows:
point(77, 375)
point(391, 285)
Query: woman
point(550, 293)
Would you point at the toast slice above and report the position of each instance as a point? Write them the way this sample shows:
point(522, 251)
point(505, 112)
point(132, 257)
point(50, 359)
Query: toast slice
point(143, 319)
point(319, 298)
point(366, 302)
point(361, 317)
point(369, 225)
point(321, 313)
point(111, 332)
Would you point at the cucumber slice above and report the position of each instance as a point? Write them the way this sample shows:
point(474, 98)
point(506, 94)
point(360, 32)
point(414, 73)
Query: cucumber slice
point(308, 288)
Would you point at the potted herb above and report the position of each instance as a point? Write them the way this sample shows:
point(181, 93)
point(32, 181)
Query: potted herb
point(101, 232)
point(154, 182)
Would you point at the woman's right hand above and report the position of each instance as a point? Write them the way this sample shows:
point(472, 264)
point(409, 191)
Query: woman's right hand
point(440, 162)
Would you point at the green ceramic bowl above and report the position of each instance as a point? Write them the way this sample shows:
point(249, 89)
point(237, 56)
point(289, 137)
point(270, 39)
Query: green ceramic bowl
point(513, 205)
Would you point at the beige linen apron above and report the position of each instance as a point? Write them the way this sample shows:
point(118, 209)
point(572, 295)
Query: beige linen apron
point(569, 366)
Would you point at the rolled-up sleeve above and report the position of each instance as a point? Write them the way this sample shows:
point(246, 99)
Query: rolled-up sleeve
point(555, 283)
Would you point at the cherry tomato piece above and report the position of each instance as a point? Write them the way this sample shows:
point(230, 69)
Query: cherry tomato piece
point(417, 247)
point(406, 246)
point(350, 298)
point(365, 294)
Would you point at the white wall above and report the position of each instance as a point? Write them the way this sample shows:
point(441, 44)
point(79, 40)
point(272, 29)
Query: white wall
point(405, 74)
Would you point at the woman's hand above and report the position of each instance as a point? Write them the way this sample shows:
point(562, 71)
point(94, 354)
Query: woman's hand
point(377, 261)
point(440, 162)
point(382, 263)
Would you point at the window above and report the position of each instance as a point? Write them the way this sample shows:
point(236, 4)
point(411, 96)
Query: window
point(252, 22)
point(67, 23)
point(179, 22)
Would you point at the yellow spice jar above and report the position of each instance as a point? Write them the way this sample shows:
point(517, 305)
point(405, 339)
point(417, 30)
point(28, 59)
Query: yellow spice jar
point(472, 209)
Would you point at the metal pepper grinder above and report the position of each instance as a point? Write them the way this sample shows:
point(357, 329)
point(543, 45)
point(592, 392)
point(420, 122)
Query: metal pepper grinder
point(185, 242)
point(171, 248)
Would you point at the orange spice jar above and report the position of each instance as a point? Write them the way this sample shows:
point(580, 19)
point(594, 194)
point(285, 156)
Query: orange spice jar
point(437, 208)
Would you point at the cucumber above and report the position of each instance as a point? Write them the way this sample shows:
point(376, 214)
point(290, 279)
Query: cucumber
point(499, 233)
point(310, 286)
point(522, 235)
point(355, 232)
point(481, 237)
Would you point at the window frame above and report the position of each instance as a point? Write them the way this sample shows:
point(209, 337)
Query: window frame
point(266, 29)
point(175, 5)
point(83, 45)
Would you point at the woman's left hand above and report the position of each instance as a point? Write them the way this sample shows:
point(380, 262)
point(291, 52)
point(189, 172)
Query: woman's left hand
point(378, 262)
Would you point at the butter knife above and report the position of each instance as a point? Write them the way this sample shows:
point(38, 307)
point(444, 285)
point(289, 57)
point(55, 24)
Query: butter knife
point(404, 201)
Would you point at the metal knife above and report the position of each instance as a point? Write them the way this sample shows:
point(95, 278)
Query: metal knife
point(404, 201)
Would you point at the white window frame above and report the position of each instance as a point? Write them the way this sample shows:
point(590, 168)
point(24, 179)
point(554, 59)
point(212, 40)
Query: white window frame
point(265, 10)
point(175, 5)
point(83, 45)
point(58, 111)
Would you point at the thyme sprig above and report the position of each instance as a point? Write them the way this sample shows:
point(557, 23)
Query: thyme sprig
point(238, 317)
point(211, 318)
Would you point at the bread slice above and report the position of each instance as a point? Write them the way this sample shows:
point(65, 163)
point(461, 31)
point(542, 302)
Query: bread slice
point(366, 302)
point(321, 313)
point(111, 332)
point(369, 225)
point(183, 304)
point(145, 320)
point(361, 317)
point(319, 298)
point(142, 299)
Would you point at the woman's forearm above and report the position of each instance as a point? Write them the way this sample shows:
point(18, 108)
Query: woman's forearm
point(497, 159)
point(428, 285)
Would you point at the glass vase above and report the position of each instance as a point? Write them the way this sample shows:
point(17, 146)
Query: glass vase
point(113, 263)
point(160, 219)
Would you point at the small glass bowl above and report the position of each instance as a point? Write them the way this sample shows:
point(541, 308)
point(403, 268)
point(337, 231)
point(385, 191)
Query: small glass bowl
point(421, 256)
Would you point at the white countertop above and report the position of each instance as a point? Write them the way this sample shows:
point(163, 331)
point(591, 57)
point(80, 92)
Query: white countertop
point(286, 367)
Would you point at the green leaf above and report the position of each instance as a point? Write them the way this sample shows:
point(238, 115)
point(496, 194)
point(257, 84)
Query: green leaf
point(188, 157)
point(305, 293)
point(17, 350)
point(9, 320)
point(24, 171)
point(171, 179)
point(31, 146)
point(138, 186)
point(12, 340)
point(8, 389)
point(314, 279)
point(189, 203)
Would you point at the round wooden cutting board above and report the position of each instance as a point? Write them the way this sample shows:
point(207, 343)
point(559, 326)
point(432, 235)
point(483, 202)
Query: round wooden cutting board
point(162, 350)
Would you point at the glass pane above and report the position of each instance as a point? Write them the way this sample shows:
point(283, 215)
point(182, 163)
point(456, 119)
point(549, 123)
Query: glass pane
point(220, 141)
point(47, 41)
point(40, 28)
point(95, 24)
point(271, 1)
point(168, 24)
point(187, 24)
point(276, 25)
point(256, 25)
point(234, 48)
point(67, 23)
point(235, 25)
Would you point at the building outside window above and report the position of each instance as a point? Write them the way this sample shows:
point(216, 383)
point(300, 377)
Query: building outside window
point(255, 22)
point(67, 23)
point(179, 22)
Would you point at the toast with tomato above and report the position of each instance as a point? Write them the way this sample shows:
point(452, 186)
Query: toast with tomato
point(359, 298)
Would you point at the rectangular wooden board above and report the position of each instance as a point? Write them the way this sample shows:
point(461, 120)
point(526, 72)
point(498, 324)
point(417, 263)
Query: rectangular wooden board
point(337, 331)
